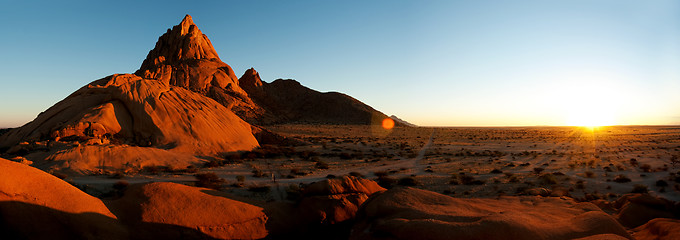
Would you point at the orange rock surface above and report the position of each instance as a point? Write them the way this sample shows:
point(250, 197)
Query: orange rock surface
point(204, 210)
point(174, 122)
point(408, 213)
point(659, 229)
point(37, 205)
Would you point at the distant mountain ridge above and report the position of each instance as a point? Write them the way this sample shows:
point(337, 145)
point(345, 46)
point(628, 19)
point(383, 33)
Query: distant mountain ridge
point(185, 57)
point(402, 122)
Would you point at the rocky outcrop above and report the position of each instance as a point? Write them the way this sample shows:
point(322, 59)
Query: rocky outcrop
point(333, 201)
point(123, 114)
point(288, 101)
point(408, 213)
point(174, 205)
point(185, 57)
point(325, 209)
point(37, 205)
point(251, 82)
point(658, 229)
point(637, 209)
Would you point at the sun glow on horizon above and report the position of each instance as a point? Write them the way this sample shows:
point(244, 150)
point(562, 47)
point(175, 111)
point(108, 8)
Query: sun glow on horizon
point(591, 117)
point(592, 104)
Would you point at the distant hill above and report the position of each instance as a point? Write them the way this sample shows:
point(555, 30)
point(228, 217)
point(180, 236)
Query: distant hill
point(288, 101)
point(400, 121)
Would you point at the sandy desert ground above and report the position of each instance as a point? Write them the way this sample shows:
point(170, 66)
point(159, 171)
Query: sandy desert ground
point(583, 163)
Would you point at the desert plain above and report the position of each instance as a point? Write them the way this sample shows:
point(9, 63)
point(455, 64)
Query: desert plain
point(580, 162)
point(577, 165)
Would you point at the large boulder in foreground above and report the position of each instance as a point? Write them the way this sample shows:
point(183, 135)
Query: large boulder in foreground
point(126, 110)
point(658, 229)
point(637, 209)
point(37, 205)
point(409, 213)
point(336, 200)
point(325, 210)
point(184, 212)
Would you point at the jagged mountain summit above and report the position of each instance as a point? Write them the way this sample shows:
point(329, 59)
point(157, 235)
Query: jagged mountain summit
point(185, 57)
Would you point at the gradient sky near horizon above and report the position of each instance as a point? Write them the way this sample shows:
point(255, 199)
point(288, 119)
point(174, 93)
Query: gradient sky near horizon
point(433, 63)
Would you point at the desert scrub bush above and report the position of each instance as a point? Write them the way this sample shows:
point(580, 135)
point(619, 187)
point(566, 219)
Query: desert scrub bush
point(465, 180)
point(153, 170)
point(259, 189)
point(117, 175)
point(258, 173)
point(645, 168)
point(232, 158)
point(572, 165)
point(538, 170)
point(209, 180)
point(321, 165)
point(580, 184)
point(513, 179)
point(408, 181)
point(386, 182)
point(589, 174)
point(345, 156)
point(380, 173)
point(661, 183)
point(639, 188)
point(213, 163)
point(297, 171)
point(307, 155)
point(548, 179)
point(496, 171)
point(621, 179)
point(240, 178)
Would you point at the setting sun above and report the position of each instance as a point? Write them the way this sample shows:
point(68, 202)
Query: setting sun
point(591, 117)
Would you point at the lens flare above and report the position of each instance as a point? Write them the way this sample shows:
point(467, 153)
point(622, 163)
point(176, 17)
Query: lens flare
point(388, 123)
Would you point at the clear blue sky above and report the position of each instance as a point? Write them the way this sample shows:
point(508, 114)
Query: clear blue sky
point(445, 63)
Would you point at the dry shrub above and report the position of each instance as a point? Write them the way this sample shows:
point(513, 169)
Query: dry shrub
point(408, 181)
point(209, 180)
point(621, 179)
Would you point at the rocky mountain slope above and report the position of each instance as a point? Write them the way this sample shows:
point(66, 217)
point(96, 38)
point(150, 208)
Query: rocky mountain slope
point(288, 101)
point(183, 104)
point(124, 121)
point(184, 57)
